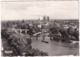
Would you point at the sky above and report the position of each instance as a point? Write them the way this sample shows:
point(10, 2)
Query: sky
point(39, 0)
point(35, 10)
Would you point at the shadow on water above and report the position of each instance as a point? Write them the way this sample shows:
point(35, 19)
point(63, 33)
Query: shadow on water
point(56, 48)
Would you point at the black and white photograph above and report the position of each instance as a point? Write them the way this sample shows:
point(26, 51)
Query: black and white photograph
point(39, 28)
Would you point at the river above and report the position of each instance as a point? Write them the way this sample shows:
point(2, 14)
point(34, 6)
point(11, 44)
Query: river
point(55, 48)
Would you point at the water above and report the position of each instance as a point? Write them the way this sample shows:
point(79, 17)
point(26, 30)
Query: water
point(55, 48)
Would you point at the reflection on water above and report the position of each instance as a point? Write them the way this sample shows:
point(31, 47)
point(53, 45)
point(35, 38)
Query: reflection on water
point(54, 48)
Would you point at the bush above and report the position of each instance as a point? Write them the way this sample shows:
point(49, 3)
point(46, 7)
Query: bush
point(5, 33)
point(22, 45)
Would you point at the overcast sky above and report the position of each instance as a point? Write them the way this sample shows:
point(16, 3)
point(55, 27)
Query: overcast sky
point(39, 0)
point(34, 10)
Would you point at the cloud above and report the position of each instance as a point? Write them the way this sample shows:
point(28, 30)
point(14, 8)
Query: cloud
point(34, 10)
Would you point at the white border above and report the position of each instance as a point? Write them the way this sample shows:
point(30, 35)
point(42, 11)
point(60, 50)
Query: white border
point(42, 56)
